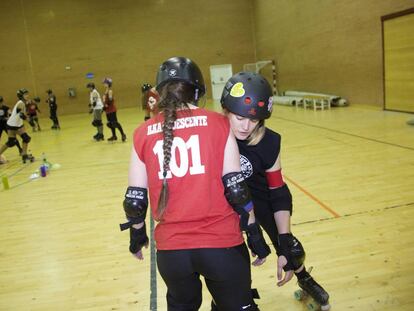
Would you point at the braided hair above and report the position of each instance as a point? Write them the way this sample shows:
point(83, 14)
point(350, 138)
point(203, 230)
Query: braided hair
point(174, 96)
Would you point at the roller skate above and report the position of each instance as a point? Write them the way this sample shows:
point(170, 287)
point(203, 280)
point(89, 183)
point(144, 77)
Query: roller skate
point(112, 139)
point(124, 138)
point(95, 137)
point(319, 298)
point(99, 137)
point(27, 157)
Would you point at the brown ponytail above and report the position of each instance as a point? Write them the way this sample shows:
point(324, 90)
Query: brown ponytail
point(174, 96)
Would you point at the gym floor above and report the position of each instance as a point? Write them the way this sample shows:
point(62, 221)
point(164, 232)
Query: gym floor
point(350, 170)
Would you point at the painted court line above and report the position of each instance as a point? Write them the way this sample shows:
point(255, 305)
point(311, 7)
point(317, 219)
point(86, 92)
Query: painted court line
point(356, 214)
point(346, 133)
point(153, 273)
point(310, 195)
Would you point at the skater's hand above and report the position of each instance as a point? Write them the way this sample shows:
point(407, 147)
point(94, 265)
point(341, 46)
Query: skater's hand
point(138, 240)
point(139, 255)
point(258, 261)
point(283, 279)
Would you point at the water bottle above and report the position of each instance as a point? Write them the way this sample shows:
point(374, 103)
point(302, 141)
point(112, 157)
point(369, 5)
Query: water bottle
point(44, 167)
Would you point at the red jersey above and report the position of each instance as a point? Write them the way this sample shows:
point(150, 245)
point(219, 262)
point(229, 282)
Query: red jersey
point(32, 109)
point(109, 106)
point(197, 213)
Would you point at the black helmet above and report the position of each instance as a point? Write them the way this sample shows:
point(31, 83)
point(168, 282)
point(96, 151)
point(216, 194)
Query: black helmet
point(21, 92)
point(181, 69)
point(108, 81)
point(49, 91)
point(146, 87)
point(37, 99)
point(249, 95)
point(90, 85)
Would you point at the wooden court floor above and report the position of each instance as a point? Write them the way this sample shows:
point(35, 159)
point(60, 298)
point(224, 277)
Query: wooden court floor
point(350, 170)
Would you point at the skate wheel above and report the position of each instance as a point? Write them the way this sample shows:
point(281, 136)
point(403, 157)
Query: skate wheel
point(299, 295)
point(326, 307)
point(312, 305)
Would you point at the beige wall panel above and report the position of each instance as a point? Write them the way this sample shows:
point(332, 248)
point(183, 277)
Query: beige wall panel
point(125, 39)
point(399, 63)
point(328, 46)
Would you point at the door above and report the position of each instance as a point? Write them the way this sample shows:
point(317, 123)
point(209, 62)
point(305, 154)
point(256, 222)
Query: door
point(219, 75)
point(398, 40)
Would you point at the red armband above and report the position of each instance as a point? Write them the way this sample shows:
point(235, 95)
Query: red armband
point(275, 179)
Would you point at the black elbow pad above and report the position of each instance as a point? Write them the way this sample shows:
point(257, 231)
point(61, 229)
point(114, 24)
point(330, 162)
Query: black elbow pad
point(237, 192)
point(281, 199)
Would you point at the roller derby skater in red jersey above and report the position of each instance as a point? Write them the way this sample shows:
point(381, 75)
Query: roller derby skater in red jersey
point(110, 110)
point(247, 102)
point(197, 202)
point(150, 97)
point(32, 109)
point(4, 116)
point(15, 126)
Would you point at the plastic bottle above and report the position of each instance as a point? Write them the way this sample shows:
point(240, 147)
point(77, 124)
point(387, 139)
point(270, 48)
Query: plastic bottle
point(44, 167)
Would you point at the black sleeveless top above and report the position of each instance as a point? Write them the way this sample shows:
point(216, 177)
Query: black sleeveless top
point(255, 160)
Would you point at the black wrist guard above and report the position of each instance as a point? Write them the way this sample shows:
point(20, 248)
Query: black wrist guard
point(292, 249)
point(137, 239)
point(256, 242)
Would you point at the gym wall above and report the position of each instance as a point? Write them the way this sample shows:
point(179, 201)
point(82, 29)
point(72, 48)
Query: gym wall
point(325, 46)
point(124, 39)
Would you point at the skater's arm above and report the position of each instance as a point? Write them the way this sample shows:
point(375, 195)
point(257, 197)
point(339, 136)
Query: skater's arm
point(231, 163)
point(136, 204)
point(238, 195)
point(281, 199)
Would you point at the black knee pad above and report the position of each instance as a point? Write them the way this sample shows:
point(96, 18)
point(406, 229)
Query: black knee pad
point(12, 141)
point(94, 123)
point(26, 138)
point(99, 123)
point(32, 123)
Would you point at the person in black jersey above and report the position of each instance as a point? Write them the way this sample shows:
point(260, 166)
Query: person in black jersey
point(51, 100)
point(4, 115)
point(247, 102)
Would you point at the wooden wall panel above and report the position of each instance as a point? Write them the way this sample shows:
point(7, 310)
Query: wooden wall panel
point(328, 46)
point(125, 39)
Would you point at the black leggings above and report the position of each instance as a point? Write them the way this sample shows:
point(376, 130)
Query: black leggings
point(113, 123)
point(226, 272)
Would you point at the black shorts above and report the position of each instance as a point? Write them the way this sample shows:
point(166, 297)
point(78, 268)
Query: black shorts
point(111, 117)
point(13, 128)
point(226, 272)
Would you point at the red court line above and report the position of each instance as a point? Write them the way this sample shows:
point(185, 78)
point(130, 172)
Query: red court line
point(321, 204)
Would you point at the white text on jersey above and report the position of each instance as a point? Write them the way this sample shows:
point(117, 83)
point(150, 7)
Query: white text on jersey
point(181, 123)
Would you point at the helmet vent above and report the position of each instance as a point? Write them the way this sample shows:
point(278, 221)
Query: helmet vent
point(247, 100)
